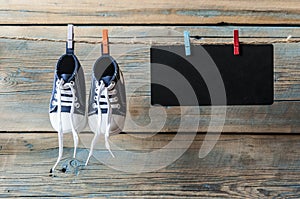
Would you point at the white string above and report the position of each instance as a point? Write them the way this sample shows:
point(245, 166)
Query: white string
point(108, 122)
point(59, 84)
point(101, 89)
point(61, 89)
point(74, 132)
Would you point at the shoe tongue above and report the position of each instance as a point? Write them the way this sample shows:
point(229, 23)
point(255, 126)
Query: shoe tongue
point(66, 77)
point(106, 80)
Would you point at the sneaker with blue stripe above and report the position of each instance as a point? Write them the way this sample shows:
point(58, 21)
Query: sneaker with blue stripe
point(107, 101)
point(67, 109)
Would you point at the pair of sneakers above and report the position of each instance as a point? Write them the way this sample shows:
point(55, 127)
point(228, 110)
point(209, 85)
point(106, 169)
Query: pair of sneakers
point(106, 109)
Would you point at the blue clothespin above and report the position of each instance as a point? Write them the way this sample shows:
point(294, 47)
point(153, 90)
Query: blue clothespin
point(187, 43)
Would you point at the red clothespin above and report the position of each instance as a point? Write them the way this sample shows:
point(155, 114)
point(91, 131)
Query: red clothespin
point(236, 44)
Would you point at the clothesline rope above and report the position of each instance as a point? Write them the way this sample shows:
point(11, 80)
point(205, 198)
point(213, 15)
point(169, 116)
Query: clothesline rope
point(289, 39)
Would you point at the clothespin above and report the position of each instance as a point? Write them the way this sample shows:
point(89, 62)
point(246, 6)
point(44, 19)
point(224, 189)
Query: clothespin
point(187, 43)
point(105, 42)
point(236, 43)
point(70, 39)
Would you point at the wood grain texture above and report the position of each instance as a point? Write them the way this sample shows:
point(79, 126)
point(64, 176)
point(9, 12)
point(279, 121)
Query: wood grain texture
point(239, 166)
point(27, 69)
point(149, 12)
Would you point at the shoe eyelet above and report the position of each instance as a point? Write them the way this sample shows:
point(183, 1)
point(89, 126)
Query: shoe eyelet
point(75, 99)
point(72, 83)
point(95, 98)
point(112, 92)
point(116, 99)
point(118, 106)
point(77, 105)
point(94, 105)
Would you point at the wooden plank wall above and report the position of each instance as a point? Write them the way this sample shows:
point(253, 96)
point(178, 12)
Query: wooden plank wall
point(27, 70)
point(32, 38)
point(150, 12)
point(240, 166)
point(248, 161)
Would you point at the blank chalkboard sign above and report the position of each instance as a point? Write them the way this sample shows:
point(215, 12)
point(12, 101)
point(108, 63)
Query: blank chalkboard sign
point(212, 75)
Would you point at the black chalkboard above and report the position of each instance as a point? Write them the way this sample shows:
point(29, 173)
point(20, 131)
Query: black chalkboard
point(212, 75)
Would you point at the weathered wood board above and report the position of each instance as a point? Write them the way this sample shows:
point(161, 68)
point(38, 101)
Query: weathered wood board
point(150, 12)
point(28, 56)
point(240, 166)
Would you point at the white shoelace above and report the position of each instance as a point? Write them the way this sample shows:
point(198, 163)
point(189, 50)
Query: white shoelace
point(104, 102)
point(65, 89)
point(101, 90)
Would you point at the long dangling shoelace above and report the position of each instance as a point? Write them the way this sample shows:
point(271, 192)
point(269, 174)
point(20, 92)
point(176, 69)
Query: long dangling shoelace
point(104, 103)
point(65, 96)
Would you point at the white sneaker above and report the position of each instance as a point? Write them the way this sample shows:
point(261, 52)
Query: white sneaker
point(107, 101)
point(68, 101)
